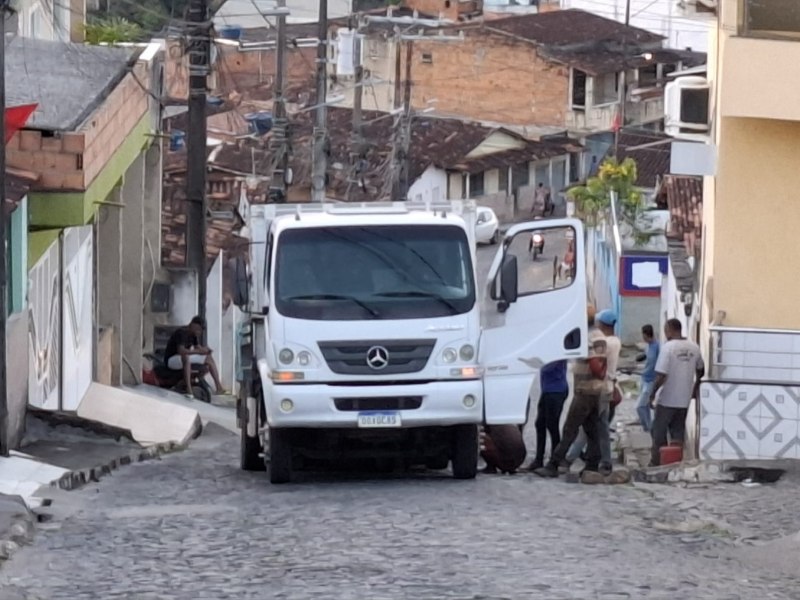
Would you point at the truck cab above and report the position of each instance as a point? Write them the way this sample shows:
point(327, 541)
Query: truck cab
point(371, 335)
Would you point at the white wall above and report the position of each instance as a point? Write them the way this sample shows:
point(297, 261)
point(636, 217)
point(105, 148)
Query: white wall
point(427, 184)
point(681, 28)
point(184, 298)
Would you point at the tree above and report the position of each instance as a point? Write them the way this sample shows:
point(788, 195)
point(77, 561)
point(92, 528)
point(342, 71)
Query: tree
point(112, 31)
point(593, 200)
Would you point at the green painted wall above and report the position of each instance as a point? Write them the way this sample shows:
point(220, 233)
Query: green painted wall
point(70, 209)
point(18, 258)
point(39, 242)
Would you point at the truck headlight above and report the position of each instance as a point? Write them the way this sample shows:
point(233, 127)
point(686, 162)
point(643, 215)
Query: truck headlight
point(304, 358)
point(449, 355)
point(467, 352)
point(286, 356)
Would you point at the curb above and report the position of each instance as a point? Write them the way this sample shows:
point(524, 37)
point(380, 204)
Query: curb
point(80, 477)
point(21, 531)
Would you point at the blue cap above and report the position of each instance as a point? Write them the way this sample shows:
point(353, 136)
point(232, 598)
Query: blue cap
point(606, 317)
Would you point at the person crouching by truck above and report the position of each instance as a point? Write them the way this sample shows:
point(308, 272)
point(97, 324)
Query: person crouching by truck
point(679, 369)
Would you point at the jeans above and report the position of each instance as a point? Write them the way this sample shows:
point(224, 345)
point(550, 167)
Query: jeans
point(603, 435)
point(583, 412)
point(643, 406)
point(548, 418)
point(667, 420)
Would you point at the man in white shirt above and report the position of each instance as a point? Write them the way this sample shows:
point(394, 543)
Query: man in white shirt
point(679, 370)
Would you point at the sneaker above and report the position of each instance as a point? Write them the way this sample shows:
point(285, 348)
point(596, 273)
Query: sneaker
point(606, 469)
point(549, 471)
point(536, 464)
point(564, 467)
point(592, 477)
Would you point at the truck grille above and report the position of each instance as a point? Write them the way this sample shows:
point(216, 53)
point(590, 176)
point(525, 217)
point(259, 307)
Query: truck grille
point(377, 357)
point(395, 403)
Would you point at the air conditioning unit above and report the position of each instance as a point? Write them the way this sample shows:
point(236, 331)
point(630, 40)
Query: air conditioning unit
point(687, 108)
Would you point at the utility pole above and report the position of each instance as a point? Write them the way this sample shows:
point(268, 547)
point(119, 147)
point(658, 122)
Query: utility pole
point(196, 140)
point(623, 83)
point(320, 162)
point(357, 141)
point(279, 141)
point(4, 449)
point(405, 130)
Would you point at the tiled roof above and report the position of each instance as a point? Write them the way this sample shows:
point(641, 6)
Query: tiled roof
point(653, 162)
point(683, 196)
point(571, 27)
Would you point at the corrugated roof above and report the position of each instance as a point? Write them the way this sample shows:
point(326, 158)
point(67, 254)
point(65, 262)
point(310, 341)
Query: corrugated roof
point(653, 162)
point(68, 81)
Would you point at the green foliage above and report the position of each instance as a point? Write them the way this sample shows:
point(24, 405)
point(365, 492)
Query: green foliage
point(112, 31)
point(152, 16)
point(593, 200)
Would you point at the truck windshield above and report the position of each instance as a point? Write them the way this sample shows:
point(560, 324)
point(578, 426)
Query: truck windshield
point(373, 272)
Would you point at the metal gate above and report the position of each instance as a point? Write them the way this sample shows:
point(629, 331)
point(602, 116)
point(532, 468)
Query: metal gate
point(76, 323)
point(44, 330)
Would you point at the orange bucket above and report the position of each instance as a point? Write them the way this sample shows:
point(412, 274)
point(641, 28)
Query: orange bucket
point(671, 454)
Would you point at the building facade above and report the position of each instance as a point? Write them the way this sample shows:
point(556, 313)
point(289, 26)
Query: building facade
point(750, 326)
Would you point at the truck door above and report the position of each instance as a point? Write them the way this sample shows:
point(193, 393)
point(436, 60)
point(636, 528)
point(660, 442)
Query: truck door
point(534, 312)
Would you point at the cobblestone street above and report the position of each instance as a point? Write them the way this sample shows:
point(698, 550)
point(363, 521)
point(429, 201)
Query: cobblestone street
point(194, 526)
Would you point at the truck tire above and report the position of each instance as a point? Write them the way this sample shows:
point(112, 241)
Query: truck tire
point(280, 456)
point(465, 451)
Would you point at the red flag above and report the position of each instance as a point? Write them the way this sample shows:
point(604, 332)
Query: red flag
point(616, 124)
point(17, 117)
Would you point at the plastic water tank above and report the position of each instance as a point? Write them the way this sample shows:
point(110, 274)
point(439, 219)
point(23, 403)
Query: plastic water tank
point(230, 32)
point(260, 122)
point(176, 140)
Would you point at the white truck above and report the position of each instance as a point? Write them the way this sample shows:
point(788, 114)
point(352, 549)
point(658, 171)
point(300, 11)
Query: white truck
point(366, 337)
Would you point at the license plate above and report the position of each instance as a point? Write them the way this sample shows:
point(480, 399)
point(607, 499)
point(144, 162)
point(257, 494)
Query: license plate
point(379, 419)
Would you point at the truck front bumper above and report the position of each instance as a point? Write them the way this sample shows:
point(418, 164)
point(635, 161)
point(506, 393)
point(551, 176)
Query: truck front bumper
point(416, 405)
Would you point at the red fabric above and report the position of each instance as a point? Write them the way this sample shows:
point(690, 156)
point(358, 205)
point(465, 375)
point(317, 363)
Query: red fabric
point(616, 125)
point(16, 117)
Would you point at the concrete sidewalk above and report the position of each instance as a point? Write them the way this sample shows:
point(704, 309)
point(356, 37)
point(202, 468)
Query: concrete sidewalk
point(65, 451)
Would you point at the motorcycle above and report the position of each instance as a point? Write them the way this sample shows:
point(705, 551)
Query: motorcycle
point(536, 245)
point(160, 375)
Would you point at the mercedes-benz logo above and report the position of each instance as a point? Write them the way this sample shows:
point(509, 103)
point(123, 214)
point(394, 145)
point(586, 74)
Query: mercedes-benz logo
point(377, 358)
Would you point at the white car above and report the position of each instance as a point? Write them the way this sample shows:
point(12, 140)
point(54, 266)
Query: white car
point(487, 229)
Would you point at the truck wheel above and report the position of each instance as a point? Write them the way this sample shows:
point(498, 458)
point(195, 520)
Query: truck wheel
point(280, 456)
point(465, 451)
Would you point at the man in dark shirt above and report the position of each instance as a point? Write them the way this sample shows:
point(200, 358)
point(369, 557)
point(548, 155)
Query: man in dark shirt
point(184, 350)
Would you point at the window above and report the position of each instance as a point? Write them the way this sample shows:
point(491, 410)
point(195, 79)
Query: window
point(648, 76)
point(606, 90)
point(574, 166)
point(502, 180)
point(578, 89)
point(476, 185)
point(373, 272)
point(427, 58)
point(779, 18)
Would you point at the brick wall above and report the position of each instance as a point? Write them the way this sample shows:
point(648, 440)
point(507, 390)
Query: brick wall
point(71, 160)
point(448, 9)
point(492, 78)
point(237, 71)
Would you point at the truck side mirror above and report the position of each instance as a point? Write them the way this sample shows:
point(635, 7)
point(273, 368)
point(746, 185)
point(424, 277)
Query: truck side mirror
point(509, 286)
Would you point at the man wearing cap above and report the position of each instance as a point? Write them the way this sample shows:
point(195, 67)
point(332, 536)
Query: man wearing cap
point(606, 321)
point(589, 384)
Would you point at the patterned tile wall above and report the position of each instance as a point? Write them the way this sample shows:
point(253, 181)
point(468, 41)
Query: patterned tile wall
point(749, 421)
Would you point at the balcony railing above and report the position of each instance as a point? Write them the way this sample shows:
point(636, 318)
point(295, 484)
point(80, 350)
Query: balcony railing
point(746, 355)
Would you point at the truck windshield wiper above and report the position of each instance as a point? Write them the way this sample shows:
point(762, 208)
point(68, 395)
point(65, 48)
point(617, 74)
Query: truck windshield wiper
point(353, 299)
point(419, 294)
